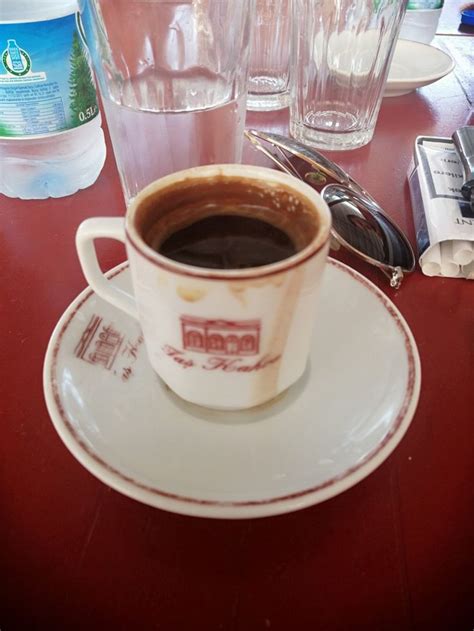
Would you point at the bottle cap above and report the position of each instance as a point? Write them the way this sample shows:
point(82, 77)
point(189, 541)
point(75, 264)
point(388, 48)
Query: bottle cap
point(467, 17)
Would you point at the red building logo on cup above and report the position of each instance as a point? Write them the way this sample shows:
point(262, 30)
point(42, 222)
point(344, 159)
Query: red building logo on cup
point(221, 337)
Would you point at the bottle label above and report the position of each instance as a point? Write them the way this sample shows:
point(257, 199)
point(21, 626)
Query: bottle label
point(414, 5)
point(46, 81)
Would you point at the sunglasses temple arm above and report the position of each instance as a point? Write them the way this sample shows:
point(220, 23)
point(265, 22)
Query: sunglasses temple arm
point(288, 162)
point(270, 155)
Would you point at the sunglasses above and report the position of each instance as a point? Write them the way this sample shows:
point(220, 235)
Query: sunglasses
point(358, 222)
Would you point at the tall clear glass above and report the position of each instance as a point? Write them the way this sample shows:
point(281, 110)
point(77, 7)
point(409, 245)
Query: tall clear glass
point(270, 70)
point(172, 75)
point(342, 55)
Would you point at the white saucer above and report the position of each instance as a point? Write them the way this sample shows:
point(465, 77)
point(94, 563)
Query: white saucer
point(415, 65)
point(325, 434)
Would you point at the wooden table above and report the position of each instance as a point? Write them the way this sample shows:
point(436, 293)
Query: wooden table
point(394, 552)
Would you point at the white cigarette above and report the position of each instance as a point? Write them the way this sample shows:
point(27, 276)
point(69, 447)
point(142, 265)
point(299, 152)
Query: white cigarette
point(462, 252)
point(432, 261)
point(468, 271)
point(448, 266)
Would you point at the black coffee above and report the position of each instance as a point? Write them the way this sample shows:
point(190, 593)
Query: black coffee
point(226, 223)
point(228, 242)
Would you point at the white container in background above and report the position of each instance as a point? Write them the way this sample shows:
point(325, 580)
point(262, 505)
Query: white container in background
point(420, 25)
point(51, 140)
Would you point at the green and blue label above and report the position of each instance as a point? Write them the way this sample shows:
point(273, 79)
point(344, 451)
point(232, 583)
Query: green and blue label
point(414, 5)
point(46, 81)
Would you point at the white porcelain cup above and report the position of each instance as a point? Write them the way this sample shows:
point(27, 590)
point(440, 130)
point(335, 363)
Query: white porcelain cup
point(226, 339)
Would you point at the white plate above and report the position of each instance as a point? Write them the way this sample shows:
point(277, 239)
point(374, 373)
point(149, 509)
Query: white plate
point(415, 65)
point(325, 434)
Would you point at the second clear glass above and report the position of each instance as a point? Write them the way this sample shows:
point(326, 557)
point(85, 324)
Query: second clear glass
point(342, 55)
point(269, 68)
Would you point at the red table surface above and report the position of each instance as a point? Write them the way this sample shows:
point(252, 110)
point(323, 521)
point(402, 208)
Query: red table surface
point(394, 552)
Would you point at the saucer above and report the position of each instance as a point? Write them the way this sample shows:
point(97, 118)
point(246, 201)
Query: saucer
point(414, 65)
point(326, 433)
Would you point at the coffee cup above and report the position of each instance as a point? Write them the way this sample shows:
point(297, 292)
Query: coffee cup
point(226, 263)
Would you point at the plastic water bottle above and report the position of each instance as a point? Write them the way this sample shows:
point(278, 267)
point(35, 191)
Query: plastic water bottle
point(421, 20)
point(51, 140)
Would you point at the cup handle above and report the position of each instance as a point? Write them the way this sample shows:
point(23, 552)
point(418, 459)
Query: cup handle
point(100, 228)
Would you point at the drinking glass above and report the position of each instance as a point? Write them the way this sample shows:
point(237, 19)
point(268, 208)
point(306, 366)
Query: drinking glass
point(342, 55)
point(172, 75)
point(270, 71)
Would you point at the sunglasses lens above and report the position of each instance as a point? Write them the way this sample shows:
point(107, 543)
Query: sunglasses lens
point(360, 224)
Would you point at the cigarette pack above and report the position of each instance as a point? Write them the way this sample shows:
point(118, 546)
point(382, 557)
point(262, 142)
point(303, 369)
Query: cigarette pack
point(444, 220)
